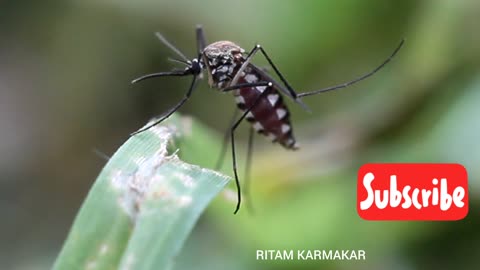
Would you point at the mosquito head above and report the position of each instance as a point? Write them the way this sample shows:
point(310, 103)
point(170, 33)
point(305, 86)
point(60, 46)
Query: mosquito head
point(195, 67)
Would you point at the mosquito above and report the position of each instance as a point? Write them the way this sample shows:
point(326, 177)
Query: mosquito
point(257, 94)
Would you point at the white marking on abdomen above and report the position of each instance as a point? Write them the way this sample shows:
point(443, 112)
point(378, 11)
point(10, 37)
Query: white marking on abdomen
point(281, 113)
point(285, 128)
point(273, 98)
point(291, 143)
point(261, 88)
point(257, 126)
point(250, 78)
point(240, 100)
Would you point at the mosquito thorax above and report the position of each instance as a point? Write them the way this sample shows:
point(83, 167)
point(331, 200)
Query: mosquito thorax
point(222, 59)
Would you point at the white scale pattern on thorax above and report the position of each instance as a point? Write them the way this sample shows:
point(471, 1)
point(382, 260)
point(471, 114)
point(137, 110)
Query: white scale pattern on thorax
point(223, 70)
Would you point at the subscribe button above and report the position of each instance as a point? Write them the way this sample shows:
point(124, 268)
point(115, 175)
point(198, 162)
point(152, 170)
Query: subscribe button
point(417, 191)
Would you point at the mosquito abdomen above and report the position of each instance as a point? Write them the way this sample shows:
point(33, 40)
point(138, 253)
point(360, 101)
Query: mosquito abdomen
point(270, 116)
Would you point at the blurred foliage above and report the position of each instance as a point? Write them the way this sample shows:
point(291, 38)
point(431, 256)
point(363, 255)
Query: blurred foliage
point(144, 203)
point(64, 90)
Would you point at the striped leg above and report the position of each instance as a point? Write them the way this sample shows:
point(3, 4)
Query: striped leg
point(248, 163)
point(285, 88)
point(248, 166)
point(361, 78)
point(232, 138)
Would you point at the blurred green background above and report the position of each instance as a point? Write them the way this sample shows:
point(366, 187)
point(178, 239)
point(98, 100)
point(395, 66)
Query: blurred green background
point(65, 71)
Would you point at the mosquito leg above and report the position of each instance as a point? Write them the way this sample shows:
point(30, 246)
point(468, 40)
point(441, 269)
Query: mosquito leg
point(223, 150)
point(173, 109)
point(248, 166)
point(286, 88)
point(252, 53)
point(244, 65)
point(248, 163)
point(232, 138)
point(361, 78)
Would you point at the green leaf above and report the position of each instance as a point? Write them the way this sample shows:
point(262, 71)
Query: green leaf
point(142, 206)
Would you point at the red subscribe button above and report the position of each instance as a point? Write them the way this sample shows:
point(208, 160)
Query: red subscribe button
point(412, 191)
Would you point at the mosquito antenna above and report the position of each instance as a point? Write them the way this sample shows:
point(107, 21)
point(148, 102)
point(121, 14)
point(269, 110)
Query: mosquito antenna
point(178, 61)
point(361, 78)
point(162, 74)
point(170, 45)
